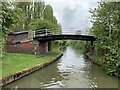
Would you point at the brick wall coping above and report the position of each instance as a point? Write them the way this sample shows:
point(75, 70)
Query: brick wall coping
point(16, 33)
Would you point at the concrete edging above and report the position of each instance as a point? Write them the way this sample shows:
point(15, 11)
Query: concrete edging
point(13, 77)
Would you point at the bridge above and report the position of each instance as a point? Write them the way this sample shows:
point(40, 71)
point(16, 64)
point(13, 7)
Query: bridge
point(46, 35)
point(43, 36)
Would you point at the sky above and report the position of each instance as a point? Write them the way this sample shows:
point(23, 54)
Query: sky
point(73, 14)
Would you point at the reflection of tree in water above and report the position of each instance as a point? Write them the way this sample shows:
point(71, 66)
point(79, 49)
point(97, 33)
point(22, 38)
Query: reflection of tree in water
point(77, 51)
point(37, 79)
point(97, 75)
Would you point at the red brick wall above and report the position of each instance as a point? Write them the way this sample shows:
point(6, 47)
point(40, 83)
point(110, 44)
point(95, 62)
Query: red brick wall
point(27, 47)
point(10, 38)
point(18, 37)
point(21, 37)
point(43, 47)
point(15, 44)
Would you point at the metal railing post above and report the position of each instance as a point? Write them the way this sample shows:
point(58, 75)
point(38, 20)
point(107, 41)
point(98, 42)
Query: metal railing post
point(53, 33)
point(46, 31)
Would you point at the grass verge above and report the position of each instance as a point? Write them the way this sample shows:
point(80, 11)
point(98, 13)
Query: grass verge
point(14, 62)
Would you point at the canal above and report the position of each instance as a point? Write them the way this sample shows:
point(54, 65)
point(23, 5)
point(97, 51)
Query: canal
point(71, 71)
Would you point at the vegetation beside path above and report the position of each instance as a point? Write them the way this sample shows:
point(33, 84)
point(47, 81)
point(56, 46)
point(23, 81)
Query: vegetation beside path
point(14, 62)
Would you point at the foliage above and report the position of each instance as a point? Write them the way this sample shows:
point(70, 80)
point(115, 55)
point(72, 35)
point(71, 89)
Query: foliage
point(42, 24)
point(48, 13)
point(24, 18)
point(59, 43)
point(9, 17)
point(106, 27)
point(78, 44)
point(20, 15)
point(38, 9)
point(47, 20)
point(111, 61)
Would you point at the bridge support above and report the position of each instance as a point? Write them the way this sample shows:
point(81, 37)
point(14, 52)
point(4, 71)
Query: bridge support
point(89, 47)
point(41, 47)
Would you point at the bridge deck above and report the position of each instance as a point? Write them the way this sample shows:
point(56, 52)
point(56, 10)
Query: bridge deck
point(64, 37)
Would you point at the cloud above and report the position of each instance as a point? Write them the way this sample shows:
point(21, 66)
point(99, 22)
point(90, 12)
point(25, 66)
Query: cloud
point(73, 13)
point(68, 16)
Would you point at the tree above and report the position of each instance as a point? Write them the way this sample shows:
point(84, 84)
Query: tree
point(106, 27)
point(38, 9)
point(47, 19)
point(9, 17)
point(26, 10)
point(48, 13)
point(42, 24)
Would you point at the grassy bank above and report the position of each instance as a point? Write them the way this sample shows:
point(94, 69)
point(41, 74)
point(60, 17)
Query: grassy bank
point(14, 62)
point(95, 59)
point(55, 50)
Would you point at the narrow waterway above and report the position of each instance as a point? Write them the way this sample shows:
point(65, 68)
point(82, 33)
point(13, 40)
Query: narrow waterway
point(71, 71)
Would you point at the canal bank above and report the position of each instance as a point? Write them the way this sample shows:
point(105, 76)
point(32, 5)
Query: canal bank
point(72, 70)
point(19, 74)
point(90, 57)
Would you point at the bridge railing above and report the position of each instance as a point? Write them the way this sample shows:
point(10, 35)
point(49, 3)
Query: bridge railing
point(47, 32)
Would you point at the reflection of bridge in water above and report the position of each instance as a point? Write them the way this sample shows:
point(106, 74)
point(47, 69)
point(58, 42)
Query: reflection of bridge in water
point(47, 35)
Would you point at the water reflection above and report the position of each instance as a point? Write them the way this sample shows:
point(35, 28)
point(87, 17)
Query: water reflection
point(71, 71)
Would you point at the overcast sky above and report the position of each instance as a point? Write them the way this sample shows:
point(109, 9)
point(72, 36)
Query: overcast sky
point(73, 13)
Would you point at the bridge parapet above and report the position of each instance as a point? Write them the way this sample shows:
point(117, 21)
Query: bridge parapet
point(45, 32)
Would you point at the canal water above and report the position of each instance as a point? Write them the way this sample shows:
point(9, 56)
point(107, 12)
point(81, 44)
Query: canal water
point(71, 71)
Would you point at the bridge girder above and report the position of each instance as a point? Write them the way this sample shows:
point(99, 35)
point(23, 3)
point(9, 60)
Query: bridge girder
point(65, 37)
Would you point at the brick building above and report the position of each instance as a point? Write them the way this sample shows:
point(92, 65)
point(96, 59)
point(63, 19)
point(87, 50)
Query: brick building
point(22, 42)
